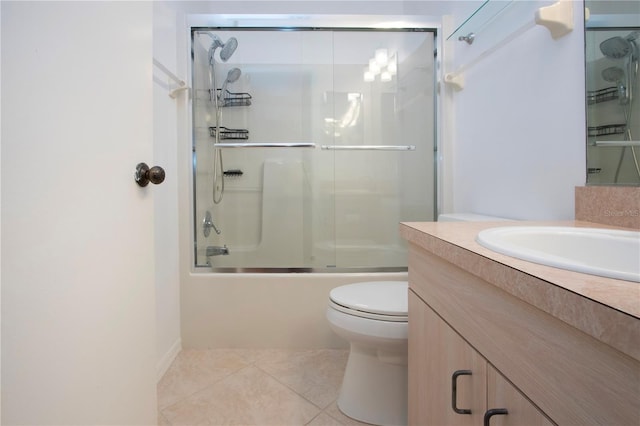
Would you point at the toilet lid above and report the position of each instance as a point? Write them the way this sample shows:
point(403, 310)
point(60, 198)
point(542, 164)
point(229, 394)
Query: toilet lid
point(379, 297)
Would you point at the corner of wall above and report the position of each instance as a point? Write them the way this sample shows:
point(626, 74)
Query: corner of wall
point(165, 361)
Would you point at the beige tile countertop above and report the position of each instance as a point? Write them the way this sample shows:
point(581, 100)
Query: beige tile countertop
point(606, 309)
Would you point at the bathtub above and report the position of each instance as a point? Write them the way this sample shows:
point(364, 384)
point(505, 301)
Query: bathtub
point(255, 310)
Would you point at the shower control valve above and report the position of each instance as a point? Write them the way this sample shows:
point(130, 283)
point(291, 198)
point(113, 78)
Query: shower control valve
point(207, 224)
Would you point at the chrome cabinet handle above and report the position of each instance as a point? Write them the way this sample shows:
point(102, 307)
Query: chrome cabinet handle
point(454, 391)
point(144, 174)
point(494, 412)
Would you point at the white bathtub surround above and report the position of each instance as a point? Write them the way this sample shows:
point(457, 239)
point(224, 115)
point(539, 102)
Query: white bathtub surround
point(263, 310)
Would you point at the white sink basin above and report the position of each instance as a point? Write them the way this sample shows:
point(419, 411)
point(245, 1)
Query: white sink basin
point(603, 252)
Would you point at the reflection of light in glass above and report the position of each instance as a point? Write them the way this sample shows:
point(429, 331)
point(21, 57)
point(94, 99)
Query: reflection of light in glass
point(382, 57)
point(330, 127)
point(350, 118)
point(374, 67)
point(392, 67)
point(381, 64)
point(368, 75)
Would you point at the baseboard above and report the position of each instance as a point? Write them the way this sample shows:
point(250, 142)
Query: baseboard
point(167, 359)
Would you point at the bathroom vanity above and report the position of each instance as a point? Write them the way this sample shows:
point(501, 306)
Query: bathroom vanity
point(502, 341)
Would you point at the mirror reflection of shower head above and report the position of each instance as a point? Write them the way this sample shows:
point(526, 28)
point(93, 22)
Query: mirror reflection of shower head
point(616, 47)
point(613, 74)
point(617, 75)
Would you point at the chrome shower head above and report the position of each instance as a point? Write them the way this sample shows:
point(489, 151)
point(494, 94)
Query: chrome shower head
point(228, 48)
point(232, 76)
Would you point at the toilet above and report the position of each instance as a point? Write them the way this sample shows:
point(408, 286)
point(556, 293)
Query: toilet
point(372, 317)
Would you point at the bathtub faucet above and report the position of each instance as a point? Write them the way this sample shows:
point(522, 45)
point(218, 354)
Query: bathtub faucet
point(217, 250)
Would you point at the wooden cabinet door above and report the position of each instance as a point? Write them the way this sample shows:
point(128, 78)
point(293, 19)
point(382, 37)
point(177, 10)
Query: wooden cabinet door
point(502, 394)
point(436, 351)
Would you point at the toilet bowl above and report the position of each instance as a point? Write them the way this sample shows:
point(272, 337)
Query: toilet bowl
point(372, 316)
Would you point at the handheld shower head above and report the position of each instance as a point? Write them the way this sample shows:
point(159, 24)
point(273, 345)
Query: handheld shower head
point(232, 76)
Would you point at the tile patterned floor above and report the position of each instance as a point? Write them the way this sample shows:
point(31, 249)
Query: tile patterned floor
point(253, 387)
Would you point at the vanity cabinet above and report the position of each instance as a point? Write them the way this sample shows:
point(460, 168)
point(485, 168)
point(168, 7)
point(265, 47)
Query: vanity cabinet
point(542, 370)
point(452, 384)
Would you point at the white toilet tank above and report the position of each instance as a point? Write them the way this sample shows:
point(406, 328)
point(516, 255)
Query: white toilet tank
point(469, 217)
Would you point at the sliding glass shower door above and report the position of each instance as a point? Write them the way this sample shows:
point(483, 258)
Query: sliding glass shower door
point(310, 146)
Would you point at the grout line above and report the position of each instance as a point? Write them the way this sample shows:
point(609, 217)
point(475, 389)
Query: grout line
point(208, 385)
point(251, 358)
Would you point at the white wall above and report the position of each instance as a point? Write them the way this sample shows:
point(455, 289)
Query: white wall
point(166, 113)
point(519, 137)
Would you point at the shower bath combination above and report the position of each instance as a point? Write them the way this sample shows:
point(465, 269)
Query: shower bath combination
point(218, 100)
point(288, 205)
point(621, 48)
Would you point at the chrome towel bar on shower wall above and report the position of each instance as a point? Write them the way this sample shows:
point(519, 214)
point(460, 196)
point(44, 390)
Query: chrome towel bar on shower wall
point(266, 145)
point(369, 147)
point(313, 145)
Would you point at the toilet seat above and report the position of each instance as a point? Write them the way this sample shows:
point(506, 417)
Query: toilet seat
point(377, 300)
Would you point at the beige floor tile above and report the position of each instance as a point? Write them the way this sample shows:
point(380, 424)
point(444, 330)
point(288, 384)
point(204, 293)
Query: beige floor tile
point(194, 370)
point(335, 412)
point(246, 397)
point(162, 420)
point(324, 419)
point(314, 374)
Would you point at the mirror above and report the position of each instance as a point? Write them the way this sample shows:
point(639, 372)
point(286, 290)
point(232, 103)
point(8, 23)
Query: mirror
point(612, 54)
